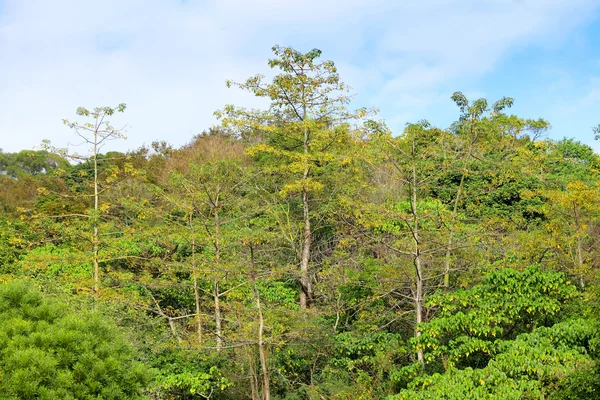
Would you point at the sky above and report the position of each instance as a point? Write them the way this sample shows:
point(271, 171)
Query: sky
point(168, 60)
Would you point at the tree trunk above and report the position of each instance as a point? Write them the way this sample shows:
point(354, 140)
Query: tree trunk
point(579, 251)
point(261, 327)
point(198, 316)
point(305, 292)
point(580, 260)
point(174, 330)
point(261, 349)
point(419, 306)
point(196, 291)
point(95, 235)
point(253, 377)
point(418, 298)
point(169, 319)
point(218, 329)
point(450, 242)
point(96, 263)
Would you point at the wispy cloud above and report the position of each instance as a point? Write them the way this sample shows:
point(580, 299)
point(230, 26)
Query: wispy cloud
point(168, 59)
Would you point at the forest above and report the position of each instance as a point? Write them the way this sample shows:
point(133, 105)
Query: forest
point(303, 251)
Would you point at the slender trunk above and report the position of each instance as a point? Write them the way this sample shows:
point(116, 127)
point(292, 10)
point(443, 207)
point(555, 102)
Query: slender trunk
point(218, 329)
point(217, 235)
point(447, 261)
point(579, 251)
point(218, 320)
point(196, 291)
point(306, 290)
point(337, 313)
point(253, 377)
point(262, 353)
point(198, 316)
point(174, 330)
point(456, 201)
point(451, 233)
point(95, 237)
point(418, 264)
point(419, 305)
point(96, 263)
point(261, 327)
point(305, 293)
point(163, 314)
point(580, 260)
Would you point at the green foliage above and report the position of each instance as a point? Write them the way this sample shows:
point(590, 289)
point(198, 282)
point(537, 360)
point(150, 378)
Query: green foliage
point(48, 353)
point(51, 262)
point(30, 162)
point(298, 250)
point(186, 376)
point(13, 243)
point(572, 160)
point(550, 362)
point(361, 366)
point(472, 323)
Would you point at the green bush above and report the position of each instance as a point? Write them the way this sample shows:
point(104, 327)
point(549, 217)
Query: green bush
point(48, 353)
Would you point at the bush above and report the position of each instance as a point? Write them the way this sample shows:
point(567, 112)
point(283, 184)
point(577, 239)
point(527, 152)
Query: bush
point(49, 353)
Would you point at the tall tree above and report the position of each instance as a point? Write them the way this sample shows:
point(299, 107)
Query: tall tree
point(307, 118)
point(206, 183)
point(484, 144)
point(95, 134)
point(406, 225)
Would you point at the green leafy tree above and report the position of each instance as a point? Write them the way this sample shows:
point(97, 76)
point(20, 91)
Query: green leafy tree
point(207, 190)
point(30, 162)
point(470, 134)
point(485, 149)
point(95, 134)
point(471, 323)
point(550, 363)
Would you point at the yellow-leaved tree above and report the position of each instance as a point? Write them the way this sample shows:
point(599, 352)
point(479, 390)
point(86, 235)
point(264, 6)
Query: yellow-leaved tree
point(303, 131)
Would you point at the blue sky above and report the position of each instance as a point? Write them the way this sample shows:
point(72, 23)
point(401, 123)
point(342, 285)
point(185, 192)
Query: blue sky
point(168, 60)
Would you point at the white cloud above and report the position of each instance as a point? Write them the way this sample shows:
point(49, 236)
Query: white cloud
point(168, 59)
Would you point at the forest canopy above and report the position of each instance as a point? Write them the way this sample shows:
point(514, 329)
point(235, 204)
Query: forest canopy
point(303, 251)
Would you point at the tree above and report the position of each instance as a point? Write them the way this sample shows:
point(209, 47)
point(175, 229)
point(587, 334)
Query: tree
point(548, 363)
point(207, 187)
point(49, 353)
point(469, 133)
point(95, 134)
point(266, 391)
point(307, 119)
point(409, 222)
point(471, 322)
point(571, 211)
point(486, 146)
point(506, 338)
point(29, 162)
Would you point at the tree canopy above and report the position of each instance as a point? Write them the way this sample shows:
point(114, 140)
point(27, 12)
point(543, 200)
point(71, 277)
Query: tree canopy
point(302, 251)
